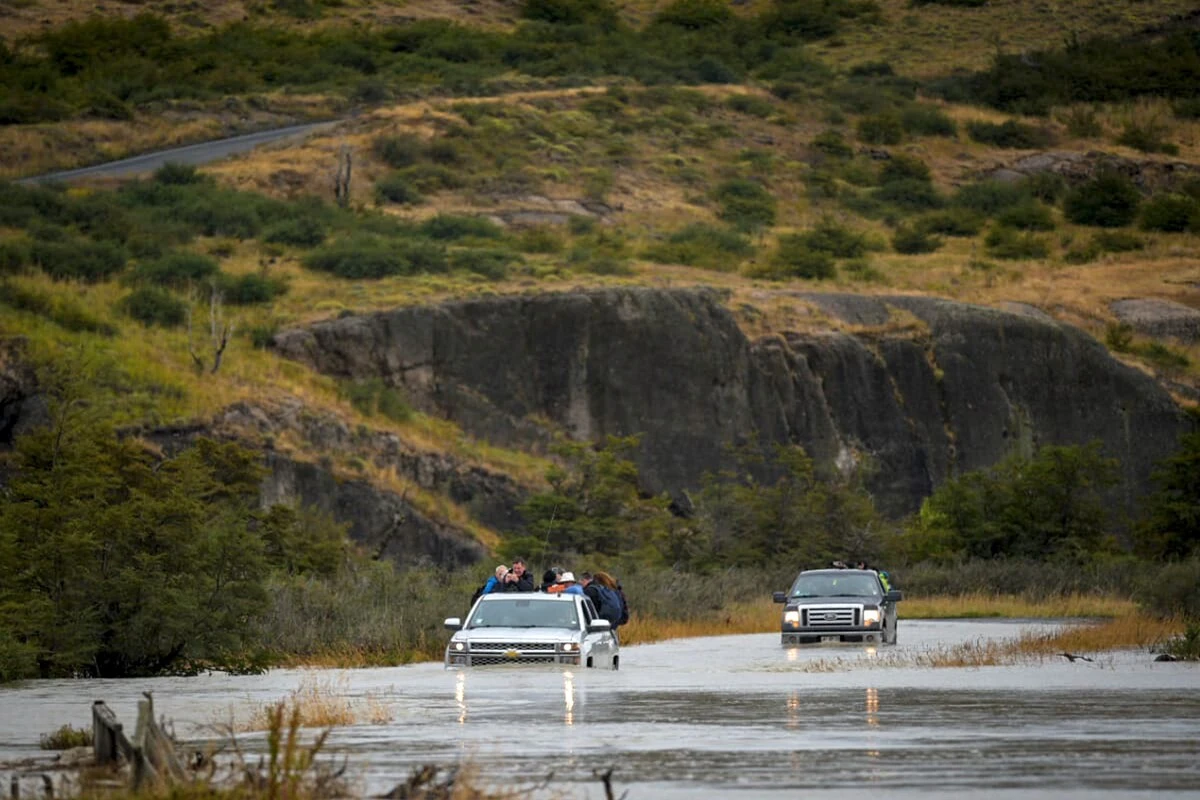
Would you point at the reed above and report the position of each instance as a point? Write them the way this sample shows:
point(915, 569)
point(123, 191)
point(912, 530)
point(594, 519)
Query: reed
point(982, 604)
point(318, 702)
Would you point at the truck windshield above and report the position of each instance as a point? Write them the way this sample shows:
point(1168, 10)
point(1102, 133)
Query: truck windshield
point(836, 585)
point(529, 613)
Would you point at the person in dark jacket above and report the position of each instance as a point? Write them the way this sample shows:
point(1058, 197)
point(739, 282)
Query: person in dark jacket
point(517, 579)
point(550, 578)
point(587, 580)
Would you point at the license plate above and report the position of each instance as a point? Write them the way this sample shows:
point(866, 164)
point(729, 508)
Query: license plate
point(826, 639)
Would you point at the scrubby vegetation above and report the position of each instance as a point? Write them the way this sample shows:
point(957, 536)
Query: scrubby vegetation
point(738, 142)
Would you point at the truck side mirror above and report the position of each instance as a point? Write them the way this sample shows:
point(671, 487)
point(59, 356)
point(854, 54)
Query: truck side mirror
point(895, 596)
point(779, 597)
point(453, 623)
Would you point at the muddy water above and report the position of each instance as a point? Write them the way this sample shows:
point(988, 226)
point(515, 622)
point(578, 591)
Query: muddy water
point(726, 716)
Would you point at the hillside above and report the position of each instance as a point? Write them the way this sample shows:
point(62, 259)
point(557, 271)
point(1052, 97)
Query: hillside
point(845, 149)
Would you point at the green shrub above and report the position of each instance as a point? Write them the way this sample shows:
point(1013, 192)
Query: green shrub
point(1107, 201)
point(302, 231)
point(959, 3)
point(702, 245)
point(449, 227)
point(1045, 186)
point(914, 241)
point(63, 310)
point(1186, 108)
point(904, 168)
point(368, 256)
point(951, 222)
point(751, 105)
point(399, 150)
point(249, 289)
point(373, 397)
point(885, 128)
point(569, 12)
point(832, 143)
point(176, 269)
point(695, 14)
point(78, 259)
point(860, 269)
point(1148, 136)
point(1029, 216)
point(839, 241)
point(395, 188)
point(540, 240)
point(174, 174)
point(745, 204)
point(909, 194)
point(489, 263)
point(1002, 242)
point(1118, 241)
point(1010, 134)
point(66, 738)
point(151, 305)
point(1082, 122)
point(925, 120)
point(793, 258)
point(991, 197)
point(15, 255)
point(1172, 213)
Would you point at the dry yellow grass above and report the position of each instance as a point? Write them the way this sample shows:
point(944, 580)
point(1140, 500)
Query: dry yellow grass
point(1014, 606)
point(320, 702)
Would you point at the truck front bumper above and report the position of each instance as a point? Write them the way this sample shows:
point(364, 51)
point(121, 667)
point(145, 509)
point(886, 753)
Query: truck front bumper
point(859, 635)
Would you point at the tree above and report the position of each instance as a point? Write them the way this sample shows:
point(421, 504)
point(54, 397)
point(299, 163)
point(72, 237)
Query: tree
point(1172, 525)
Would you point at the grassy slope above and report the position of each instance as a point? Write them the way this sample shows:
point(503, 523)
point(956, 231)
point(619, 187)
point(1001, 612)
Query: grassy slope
point(658, 183)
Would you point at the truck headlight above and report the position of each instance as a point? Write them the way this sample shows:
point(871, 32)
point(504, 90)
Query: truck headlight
point(459, 647)
point(569, 647)
point(791, 618)
point(871, 616)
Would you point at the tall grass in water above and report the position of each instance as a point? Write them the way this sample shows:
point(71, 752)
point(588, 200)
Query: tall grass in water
point(319, 702)
point(981, 604)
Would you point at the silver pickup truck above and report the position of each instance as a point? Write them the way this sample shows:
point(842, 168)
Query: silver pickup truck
point(838, 605)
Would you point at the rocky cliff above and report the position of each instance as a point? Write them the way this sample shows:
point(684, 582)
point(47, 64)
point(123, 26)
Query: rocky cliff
point(921, 388)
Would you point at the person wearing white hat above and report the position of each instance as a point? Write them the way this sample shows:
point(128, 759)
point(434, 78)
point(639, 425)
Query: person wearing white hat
point(567, 579)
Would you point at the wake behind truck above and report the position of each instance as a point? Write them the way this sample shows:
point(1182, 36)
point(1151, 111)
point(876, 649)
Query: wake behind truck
point(838, 605)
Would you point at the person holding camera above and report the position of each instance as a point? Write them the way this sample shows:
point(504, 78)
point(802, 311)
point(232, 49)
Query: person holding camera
point(517, 579)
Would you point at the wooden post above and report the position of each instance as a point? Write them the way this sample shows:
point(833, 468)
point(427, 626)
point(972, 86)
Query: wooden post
point(14, 787)
point(155, 751)
point(108, 737)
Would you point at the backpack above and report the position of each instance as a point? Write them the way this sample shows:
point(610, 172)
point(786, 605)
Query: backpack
point(610, 604)
point(624, 605)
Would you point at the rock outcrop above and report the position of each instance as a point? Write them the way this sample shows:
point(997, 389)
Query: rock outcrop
point(1160, 318)
point(922, 388)
point(1149, 175)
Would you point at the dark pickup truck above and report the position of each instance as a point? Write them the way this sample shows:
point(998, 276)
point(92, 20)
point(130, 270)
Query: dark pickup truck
point(839, 605)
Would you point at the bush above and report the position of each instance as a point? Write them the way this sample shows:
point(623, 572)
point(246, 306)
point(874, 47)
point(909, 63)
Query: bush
point(14, 256)
point(399, 151)
point(1118, 241)
point(249, 289)
point(1107, 201)
point(151, 305)
point(914, 241)
point(1045, 186)
point(837, 240)
point(176, 269)
point(833, 143)
point(63, 310)
point(303, 231)
point(174, 174)
point(66, 738)
point(397, 189)
point(540, 240)
point(457, 226)
point(883, 128)
point(910, 195)
point(1007, 243)
point(951, 222)
point(78, 259)
point(745, 204)
point(367, 256)
point(904, 168)
point(1148, 137)
point(1171, 213)
point(991, 197)
point(702, 245)
point(751, 105)
point(491, 264)
point(1029, 216)
point(1011, 134)
point(793, 258)
point(1082, 122)
point(923, 120)
point(373, 397)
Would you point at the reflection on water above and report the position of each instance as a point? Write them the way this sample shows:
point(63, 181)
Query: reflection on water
point(872, 707)
point(569, 698)
point(460, 696)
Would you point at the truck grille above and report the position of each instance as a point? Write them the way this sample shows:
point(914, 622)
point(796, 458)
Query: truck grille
point(490, 660)
point(524, 647)
point(831, 617)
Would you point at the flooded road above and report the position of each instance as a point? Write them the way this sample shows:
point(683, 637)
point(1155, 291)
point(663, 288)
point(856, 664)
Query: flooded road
point(724, 716)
